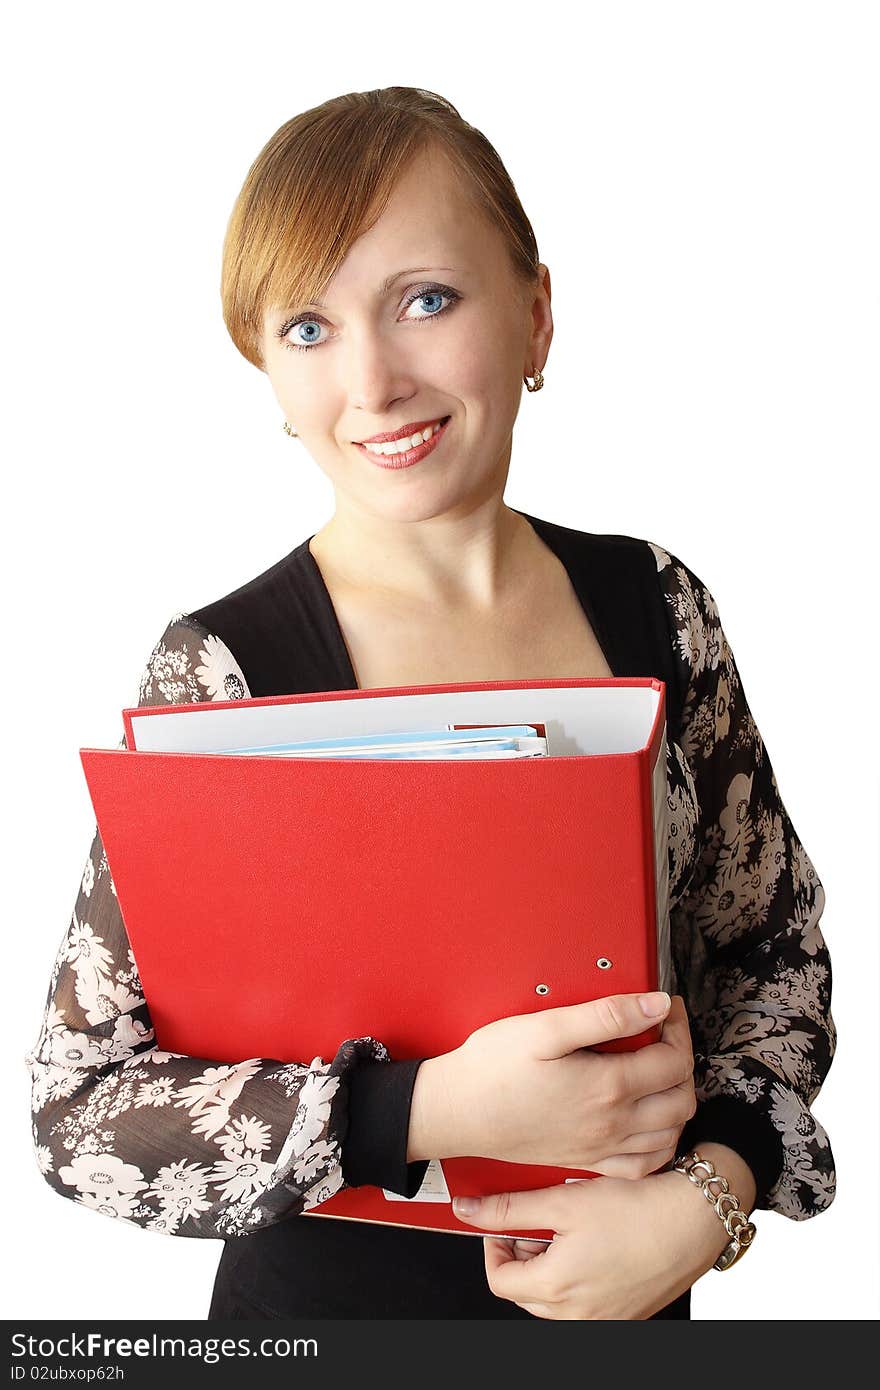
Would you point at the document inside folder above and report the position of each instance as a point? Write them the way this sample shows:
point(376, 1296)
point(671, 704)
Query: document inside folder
point(509, 741)
point(601, 716)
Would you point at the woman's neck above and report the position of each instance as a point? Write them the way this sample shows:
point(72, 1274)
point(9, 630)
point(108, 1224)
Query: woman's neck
point(472, 562)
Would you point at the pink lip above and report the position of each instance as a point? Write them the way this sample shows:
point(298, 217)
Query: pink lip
point(403, 433)
point(411, 456)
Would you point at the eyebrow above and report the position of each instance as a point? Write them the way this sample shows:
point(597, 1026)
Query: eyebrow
point(386, 284)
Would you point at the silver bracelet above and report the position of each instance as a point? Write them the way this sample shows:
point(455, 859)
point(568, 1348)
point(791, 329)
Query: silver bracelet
point(741, 1230)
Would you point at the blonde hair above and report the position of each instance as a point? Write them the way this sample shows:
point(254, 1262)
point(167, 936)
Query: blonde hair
point(324, 178)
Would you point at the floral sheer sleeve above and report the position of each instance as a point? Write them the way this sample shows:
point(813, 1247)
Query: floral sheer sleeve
point(751, 961)
point(189, 1146)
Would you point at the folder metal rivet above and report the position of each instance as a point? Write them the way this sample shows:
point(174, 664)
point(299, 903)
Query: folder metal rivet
point(542, 989)
point(604, 963)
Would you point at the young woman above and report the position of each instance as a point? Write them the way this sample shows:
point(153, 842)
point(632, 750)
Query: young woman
point(379, 268)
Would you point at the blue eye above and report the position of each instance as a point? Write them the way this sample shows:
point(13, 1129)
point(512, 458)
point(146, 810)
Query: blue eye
point(304, 323)
point(424, 292)
point(428, 294)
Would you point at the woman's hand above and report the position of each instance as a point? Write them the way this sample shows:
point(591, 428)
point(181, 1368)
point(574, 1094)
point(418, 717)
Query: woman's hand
point(527, 1089)
point(623, 1250)
point(675, 1031)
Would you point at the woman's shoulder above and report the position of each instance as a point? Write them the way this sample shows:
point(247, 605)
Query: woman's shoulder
point(189, 664)
point(203, 653)
point(255, 595)
point(638, 560)
point(278, 629)
point(615, 557)
point(628, 570)
point(584, 542)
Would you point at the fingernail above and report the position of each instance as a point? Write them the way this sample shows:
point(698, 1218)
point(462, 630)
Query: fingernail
point(654, 1004)
point(465, 1206)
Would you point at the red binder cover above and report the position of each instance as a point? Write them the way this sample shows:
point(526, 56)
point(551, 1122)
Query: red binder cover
point(277, 905)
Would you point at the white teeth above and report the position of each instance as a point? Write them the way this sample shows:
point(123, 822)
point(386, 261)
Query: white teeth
point(400, 446)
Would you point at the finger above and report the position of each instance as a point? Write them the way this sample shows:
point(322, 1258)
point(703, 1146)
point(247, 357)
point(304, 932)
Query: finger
point(522, 1282)
point(650, 1116)
point(675, 1028)
point(635, 1166)
point(528, 1249)
point(497, 1257)
point(520, 1249)
point(540, 1210)
point(647, 1142)
point(596, 1021)
point(651, 1070)
point(499, 1250)
point(657, 1066)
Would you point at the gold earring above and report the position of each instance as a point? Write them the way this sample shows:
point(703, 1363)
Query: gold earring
point(287, 430)
point(538, 381)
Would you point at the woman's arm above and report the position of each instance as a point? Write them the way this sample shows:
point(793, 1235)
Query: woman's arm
point(754, 971)
point(751, 961)
point(189, 1146)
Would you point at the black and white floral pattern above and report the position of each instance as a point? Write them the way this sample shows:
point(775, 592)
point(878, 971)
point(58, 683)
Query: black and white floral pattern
point(750, 959)
point(188, 1146)
point(194, 1147)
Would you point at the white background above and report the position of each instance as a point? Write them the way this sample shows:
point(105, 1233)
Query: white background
point(702, 180)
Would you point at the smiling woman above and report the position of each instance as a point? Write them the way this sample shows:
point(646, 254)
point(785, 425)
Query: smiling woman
point(424, 575)
point(350, 364)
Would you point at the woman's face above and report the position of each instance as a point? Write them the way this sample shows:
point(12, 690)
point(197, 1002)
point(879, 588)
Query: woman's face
point(455, 338)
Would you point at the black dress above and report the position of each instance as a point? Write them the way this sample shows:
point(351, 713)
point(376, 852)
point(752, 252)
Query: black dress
point(749, 960)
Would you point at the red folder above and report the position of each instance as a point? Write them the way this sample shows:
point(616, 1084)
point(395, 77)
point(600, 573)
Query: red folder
point(278, 905)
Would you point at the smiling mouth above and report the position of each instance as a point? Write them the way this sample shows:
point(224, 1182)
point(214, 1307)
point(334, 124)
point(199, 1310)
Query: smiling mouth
point(390, 456)
point(401, 445)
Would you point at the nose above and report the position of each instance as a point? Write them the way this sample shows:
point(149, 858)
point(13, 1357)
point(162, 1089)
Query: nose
point(376, 375)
